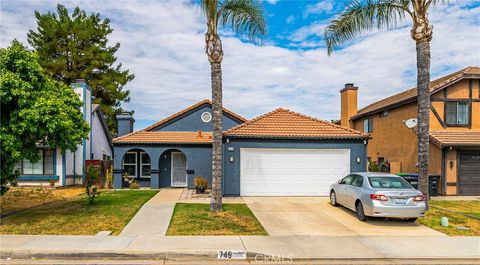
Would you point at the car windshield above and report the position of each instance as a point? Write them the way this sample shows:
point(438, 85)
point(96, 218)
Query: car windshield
point(389, 183)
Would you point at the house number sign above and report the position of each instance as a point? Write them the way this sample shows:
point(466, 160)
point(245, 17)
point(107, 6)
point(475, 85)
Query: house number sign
point(229, 254)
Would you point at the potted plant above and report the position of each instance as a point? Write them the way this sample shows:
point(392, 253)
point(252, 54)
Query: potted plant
point(200, 183)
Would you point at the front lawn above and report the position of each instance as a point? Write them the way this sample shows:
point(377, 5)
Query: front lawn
point(21, 198)
point(112, 211)
point(195, 219)
point(436, 212)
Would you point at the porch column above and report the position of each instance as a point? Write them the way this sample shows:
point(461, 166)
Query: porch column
point(155, 178)
point(117, 178)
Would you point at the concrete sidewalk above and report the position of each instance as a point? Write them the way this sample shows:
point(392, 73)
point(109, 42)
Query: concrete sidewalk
point(154, 216)
point(203, 247)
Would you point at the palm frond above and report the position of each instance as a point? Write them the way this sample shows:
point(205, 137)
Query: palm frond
point(245, 17)
point(360, 17)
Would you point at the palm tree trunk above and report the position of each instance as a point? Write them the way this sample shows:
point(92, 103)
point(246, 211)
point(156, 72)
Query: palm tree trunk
point(423, 113)
point(216, 72)
point(214, 51)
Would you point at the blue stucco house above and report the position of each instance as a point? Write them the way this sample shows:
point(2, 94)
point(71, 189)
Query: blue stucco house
point(68, 168)
point(280, 153)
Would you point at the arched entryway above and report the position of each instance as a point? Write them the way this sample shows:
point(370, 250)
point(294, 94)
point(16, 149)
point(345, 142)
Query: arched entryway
point(136, 164)
point(173, 169)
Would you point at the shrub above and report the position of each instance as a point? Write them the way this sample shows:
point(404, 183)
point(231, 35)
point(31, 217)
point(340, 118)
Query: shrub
point(52, 182)
point(200, 183)
point(109, 178)
point(93, 173)
point(134, 185)
point(376, 166)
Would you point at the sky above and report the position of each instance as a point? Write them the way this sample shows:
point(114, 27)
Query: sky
point(162, 43)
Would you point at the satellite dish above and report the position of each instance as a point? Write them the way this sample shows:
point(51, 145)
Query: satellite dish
point(410, 123)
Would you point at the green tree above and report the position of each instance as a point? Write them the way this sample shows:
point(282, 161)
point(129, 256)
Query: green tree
point(359, 17)
point(36, 111)
point(74, 47)
point(245, 17)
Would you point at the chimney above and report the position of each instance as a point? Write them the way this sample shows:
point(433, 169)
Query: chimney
point(125, 123)
point(348, 104)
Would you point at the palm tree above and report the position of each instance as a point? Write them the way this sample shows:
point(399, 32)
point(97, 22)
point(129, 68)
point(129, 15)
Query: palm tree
point(245, 17)
point(359, 17)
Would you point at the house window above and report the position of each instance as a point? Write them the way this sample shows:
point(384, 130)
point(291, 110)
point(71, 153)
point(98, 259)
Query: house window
point(206, 117)
point(145, 164)
point(44, 166)
point(130, 164)
point(368, 125)
point(457, 113)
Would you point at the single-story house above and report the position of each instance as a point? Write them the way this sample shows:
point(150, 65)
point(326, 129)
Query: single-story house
point(280, 153)
point(69, 168)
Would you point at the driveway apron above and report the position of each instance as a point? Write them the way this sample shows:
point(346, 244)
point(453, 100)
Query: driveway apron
point(154, 216)
point(314, 216)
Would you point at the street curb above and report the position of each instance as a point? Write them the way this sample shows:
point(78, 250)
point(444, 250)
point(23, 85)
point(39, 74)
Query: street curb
point(192, 255)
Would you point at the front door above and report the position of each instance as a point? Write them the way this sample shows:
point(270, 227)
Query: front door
point(179, 169)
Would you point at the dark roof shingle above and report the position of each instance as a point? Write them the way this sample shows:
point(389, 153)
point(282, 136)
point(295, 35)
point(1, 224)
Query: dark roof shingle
point(411, 94)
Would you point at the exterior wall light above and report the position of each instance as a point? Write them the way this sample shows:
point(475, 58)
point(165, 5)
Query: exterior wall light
point(358, 160)
point(231, 159)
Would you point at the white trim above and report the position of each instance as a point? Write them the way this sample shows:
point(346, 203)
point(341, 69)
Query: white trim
point(141, 165)
point(209, 116)
point(171, 171)
point(129, 164)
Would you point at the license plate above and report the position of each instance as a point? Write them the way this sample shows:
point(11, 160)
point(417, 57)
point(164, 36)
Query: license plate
point(400, 201)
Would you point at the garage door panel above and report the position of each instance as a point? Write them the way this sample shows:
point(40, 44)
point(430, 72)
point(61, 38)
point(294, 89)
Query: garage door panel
point(291, 172)
point(469, 173)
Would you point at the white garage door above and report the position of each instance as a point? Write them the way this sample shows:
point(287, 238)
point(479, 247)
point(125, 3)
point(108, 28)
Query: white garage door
point(291, 172)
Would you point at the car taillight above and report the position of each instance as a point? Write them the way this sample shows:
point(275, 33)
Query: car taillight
point(378, 197)
point(419, 198)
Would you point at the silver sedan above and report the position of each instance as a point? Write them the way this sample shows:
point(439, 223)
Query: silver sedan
point(378, 195)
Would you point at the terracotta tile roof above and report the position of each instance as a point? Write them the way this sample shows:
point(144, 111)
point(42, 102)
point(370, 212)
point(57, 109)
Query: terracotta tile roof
point(283, 123)
point(411, 94)
point(163, 137)
point(206, 101)
point(445, 138)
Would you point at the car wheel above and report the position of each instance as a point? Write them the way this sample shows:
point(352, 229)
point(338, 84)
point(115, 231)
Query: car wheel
point(360, 212)
point(411, 220)
point(333, 198)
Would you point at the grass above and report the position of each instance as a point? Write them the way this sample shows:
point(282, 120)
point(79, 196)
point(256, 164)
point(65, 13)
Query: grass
point(22, 198)
point(195, 219)
point(111, 211)
point(436, 212)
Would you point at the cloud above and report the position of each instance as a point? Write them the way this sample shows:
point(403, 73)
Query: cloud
point(314, 30)
point(162, 43)
point(290, 19)
point(272, 2)
point(322, 7)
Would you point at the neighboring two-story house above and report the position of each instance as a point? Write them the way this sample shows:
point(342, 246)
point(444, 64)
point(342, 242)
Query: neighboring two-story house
point(454, 129)
point(68, 168)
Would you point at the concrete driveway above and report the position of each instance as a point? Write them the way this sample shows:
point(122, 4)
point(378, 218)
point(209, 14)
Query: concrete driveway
point(282, 216)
